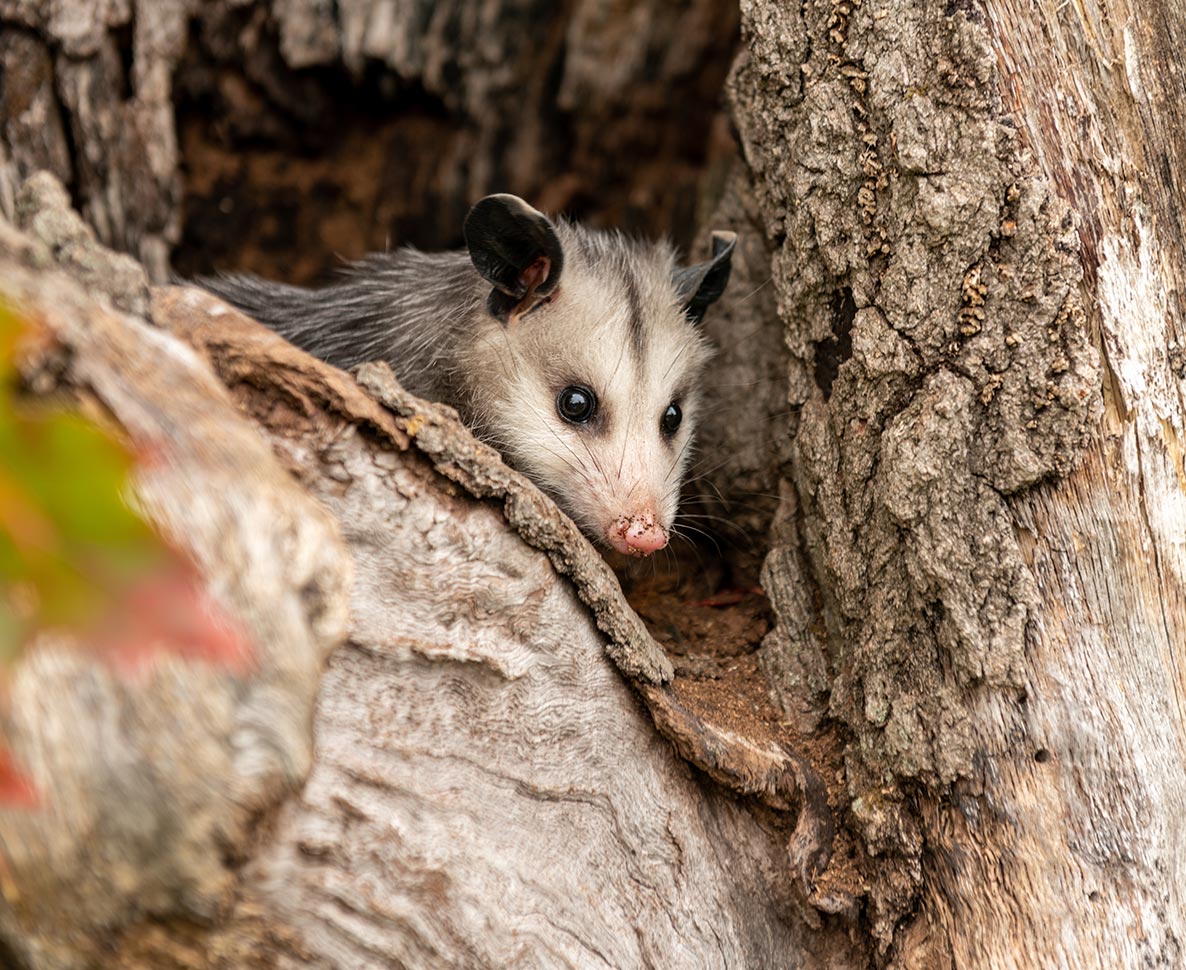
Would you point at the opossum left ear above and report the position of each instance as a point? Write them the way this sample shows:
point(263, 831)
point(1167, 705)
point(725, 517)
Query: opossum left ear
point(701, 285)
point(516, 248)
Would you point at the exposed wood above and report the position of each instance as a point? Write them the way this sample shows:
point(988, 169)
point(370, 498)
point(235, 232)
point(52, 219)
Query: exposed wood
point(153, 785)
point(486, 788)
point(1088, 808)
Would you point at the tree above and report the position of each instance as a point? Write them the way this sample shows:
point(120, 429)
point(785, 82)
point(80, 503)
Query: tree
point(975, 562)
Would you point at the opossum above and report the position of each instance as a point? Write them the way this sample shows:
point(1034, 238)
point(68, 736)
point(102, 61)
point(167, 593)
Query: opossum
point(578, 353)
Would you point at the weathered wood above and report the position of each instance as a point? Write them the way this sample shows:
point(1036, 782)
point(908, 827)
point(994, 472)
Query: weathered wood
point(486, 789)
point(152, 786)
point(1090, 806)
point(496, 743)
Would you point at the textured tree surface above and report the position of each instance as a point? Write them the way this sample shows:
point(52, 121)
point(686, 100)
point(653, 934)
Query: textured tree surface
point(968, 220)
point(276, 135)
point(186, 756)
point(945, 431)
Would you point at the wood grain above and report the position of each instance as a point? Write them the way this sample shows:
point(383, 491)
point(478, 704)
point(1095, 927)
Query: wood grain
point(486, 789)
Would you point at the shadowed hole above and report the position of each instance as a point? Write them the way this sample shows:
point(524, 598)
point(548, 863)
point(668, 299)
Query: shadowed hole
point(836, 349)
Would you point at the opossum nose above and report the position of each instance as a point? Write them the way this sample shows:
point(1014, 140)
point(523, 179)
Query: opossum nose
point(639, 534)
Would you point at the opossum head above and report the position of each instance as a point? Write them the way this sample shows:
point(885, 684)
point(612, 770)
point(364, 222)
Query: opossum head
point(586, 365)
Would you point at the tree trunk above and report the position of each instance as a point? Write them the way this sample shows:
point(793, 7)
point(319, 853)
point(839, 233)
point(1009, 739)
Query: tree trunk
point(968, 214)
point(959, 741)
point(312, 130)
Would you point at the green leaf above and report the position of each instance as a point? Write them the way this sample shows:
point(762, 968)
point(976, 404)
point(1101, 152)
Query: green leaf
point(74, 554)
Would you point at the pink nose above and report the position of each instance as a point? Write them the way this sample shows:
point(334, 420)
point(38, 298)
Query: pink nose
point(639, 534)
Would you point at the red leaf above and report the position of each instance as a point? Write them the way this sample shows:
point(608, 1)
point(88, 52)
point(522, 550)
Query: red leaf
point(170, 612)
point(16, 791)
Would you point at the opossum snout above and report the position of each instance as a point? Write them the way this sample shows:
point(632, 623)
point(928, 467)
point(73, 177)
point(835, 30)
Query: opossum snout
point(639, 534)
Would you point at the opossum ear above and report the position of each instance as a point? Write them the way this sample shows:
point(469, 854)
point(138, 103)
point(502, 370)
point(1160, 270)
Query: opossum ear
point(516, 248)
point(701, 285)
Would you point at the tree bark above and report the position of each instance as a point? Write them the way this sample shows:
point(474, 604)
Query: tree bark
point(312, 131)
point(973, 203)
point(950, 389)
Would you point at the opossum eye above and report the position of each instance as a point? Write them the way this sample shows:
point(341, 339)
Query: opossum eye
point(576, 404)
point(669, 424)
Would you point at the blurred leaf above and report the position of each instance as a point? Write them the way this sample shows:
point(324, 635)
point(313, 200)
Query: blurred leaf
point(170, 610)
point(74, 554)
point(11, 328)
point(15, 789)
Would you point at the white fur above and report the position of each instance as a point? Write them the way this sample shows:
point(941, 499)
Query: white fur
point(614, 324)
point(621, 464)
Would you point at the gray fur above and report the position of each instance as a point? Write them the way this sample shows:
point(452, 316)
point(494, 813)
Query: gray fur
point(407, 308)
point(615, 322)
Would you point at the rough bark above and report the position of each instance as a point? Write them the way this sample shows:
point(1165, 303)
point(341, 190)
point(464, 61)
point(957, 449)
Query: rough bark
point(185, 758)
point(997, 567)
point(960, 220)
point(313, 130)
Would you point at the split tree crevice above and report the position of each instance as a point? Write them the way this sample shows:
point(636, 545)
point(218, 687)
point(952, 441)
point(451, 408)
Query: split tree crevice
point(501, 656)
point(950, 390)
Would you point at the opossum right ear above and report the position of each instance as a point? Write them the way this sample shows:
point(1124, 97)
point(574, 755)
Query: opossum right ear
point(701, 285)
point(516, 248)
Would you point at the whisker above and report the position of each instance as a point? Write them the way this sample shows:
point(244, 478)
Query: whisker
point(708, 471)
point(680, 533)
point(756, 290)
point(749, 539)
